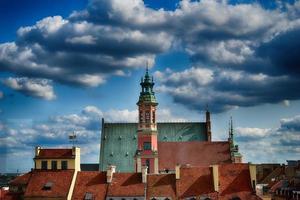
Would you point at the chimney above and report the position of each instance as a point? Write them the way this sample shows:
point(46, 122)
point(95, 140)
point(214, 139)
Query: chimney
point(144, 174)
point(37, 150)
point(215, 170)
point(109, 173)
point(208, 125)
point(252, 169)
point(177, 172)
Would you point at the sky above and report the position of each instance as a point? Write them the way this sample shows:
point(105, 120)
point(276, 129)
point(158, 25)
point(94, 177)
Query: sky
point(65, 64)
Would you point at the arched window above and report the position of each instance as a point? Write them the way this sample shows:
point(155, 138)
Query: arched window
point(236, 198)
point(148, 165)
point(167, 198)
point(153, 198)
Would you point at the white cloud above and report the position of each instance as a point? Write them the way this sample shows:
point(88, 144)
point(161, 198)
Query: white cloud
point(252, 132)
point(41, 88)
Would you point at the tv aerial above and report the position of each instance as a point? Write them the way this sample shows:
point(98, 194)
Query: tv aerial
point(73, 138)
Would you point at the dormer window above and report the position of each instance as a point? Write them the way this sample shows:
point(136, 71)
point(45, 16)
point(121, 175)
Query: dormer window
point(88, 196)
point(48, 186)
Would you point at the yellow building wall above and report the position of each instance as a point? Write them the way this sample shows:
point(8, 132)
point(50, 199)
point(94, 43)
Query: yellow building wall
point(71, 163)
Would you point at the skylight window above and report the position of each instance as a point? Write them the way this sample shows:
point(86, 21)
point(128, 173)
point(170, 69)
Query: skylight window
point(48, 186)
point(88, 196)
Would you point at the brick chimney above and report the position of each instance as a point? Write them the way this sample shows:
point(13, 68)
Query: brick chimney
point(144, 174)
point(177, 172)
point(109, 173)
point(215, 170)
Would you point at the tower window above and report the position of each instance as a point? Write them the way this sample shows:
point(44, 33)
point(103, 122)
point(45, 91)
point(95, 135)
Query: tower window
point(141, 117)
point(147, 116)
point(147, 146)
point(153, 116)
point(44, 164)
point(148, 165)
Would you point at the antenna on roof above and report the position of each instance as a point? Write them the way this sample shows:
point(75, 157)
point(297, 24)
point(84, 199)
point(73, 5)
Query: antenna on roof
point(73, 138)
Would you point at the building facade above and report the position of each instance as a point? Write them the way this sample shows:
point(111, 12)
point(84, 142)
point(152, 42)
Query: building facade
point(147, 143)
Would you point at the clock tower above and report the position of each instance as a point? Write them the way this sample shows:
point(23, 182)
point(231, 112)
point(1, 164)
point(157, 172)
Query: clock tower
point(146, 154)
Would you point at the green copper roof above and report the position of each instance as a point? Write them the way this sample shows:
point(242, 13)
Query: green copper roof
point(119, 141)
point(147, 94)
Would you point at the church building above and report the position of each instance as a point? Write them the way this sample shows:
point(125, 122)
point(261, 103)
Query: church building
point(161, 146)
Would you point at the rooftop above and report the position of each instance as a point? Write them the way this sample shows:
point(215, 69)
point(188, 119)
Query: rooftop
point(60, 183)
point(196, 153)
point(55, 153)
point(93, 182)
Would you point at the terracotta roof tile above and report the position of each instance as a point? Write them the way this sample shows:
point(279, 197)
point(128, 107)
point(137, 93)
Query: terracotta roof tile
point(21, 180)
point(126, 184)
point(162, 185)
point(92, 182)
point(234, 178)
point(55, 153)
point(195, 181)
point(195, 153)
point(61, 180)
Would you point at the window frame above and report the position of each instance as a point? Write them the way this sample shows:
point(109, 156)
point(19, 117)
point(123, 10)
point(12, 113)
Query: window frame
point(64, 166)
point(43, 166)
point(53, 164)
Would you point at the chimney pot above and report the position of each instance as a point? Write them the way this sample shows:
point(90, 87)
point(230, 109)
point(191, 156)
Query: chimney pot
point(37, 150)
point(177, 172)
point(109, 173)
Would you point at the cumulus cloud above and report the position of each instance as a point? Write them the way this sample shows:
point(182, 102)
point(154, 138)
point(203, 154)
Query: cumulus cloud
point(196, 87)
point(242, 46)
point(19, 138)
point(273, 145)
point(40, 88)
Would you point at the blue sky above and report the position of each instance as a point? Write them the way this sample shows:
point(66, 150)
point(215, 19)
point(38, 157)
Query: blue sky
point(64, 65)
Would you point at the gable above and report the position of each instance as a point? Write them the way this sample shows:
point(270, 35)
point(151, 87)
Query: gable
point(119, 141)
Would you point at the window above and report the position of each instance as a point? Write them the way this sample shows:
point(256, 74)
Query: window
point(147, 116)
point(141, 117)
point(236, 198)
point(48, 186)
point(88, 196)
point(44, 164)
point(147, 146)
point(153, 198)
point(54, 165)
point(148, 165)
point(153, 116)
point(64, 164)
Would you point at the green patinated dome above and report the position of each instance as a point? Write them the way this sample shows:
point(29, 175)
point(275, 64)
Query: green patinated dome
point(147, 95)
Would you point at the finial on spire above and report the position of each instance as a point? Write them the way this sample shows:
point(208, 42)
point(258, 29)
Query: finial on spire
point(147, 67)
point(230, 128)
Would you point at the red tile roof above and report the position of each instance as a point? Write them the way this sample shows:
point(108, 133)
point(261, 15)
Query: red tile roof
point(126, 184)
point(92, 182)
point(21, 180)
point(162, 185)
point(195, 181)
point(61, 180)
point(234, 179)
point(55, 153)
point(195, 153)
